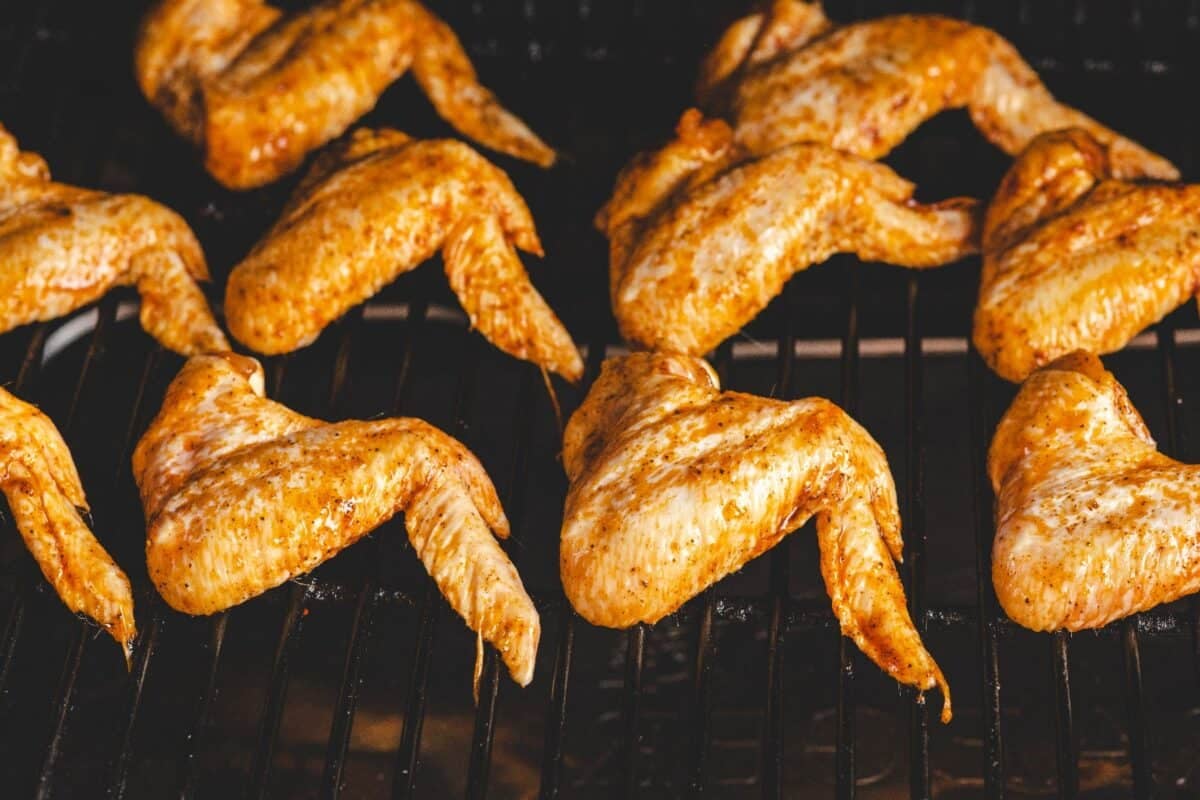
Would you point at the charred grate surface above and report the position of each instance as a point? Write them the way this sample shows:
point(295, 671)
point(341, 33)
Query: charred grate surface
point(355, 680)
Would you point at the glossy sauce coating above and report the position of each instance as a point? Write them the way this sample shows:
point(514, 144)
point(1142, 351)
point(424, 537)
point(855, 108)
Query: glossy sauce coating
point(379, 204)
point(1092, 522)
point(257, 89)
point(674, 484)
point(788, 75)
point(62, 247)
point(1076, 259)
point(38, 477)
point(242, 494)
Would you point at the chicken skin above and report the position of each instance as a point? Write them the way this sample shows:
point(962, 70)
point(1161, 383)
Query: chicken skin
point(1076, 259)
point(1092, 522)
point(256, 89)
point(62, 247)
point(701, 239)
point(675, 484)
point(787, 74)
point(46, 499)
point(380, 204)
point(242, 494)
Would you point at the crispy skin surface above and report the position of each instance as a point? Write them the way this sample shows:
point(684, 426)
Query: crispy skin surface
point(1075, 259)
point(381, 204)
point(701, 240)
point(62, 247)
point(38, 477)
point(242, 494)
point(675, 484)
point(1092, 523)
point(788, 75)
point(258, 90)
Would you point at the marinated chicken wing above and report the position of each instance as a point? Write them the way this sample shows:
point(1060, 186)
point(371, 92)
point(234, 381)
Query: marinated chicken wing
point(1092, 523)
point(256, 90)
point(1075, 259)
point(788, 75)
point(701, 240)
point(242, 494)
point(38, 477)
point(62, 247)
point(675, 484)
point(381, 204)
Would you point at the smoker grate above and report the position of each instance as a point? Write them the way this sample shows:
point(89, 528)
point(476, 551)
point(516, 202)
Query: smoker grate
point(355, 681)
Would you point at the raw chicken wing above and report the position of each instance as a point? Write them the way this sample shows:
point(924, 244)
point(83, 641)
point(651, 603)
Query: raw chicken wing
point(675, 484)
point(788, 75)
point(257, 90)
point(378, 205)
point(242, 494)
point(701, 240)
point(1076, 259)
point(1092, 523)
point(62, 247)
point(38, 477)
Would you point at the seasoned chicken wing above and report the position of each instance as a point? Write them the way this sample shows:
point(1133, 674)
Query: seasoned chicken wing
point(1092, 523)
point(675, 484)
point(256, 90)
point(242, 494)
point(788, 75)
point(378, 205)
point(1075, 259)
point(38, 477)
point(701, 240)
point(62, 247)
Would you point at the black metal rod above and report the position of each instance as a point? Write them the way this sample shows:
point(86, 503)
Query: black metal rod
point(1066, 745)
point(368, 598)
point(407, 756)
point(1143, 781)
point(986, 622)
point(631, 712)
point(915, 535)
point(844, 757)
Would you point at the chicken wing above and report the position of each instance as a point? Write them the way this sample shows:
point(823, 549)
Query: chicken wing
point(701, 240)
point(1075, 259)
point(62, 247)
point(256, 90)
point(1092, 523)
point(38, 477)
point(378, 205)
point(788, 75)
point(242, 494)
point(675, 484)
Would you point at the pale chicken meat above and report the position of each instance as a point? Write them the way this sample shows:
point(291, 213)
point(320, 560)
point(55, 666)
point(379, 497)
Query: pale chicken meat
point(674, 484)
point(242, 494)
point(257, 89)
point(62, 247)
point(45, 496)
point(1074, 258)
point(787, 74)
point(702, 239)
point(379, 204)
point(1092, 522)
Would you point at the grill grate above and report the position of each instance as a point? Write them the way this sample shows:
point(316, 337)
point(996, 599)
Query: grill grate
point(355, 681)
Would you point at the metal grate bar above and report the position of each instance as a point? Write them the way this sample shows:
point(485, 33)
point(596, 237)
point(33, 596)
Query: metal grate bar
point(844, 778)
point(556, 718)
point(635, 650)
point(485, 716)
point(988, 626)
point(915, 533)
point(1066, 745)
point(414, 716)
point(772, 743)
point(220, 624)
point(364, 610)
point(289, 631)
